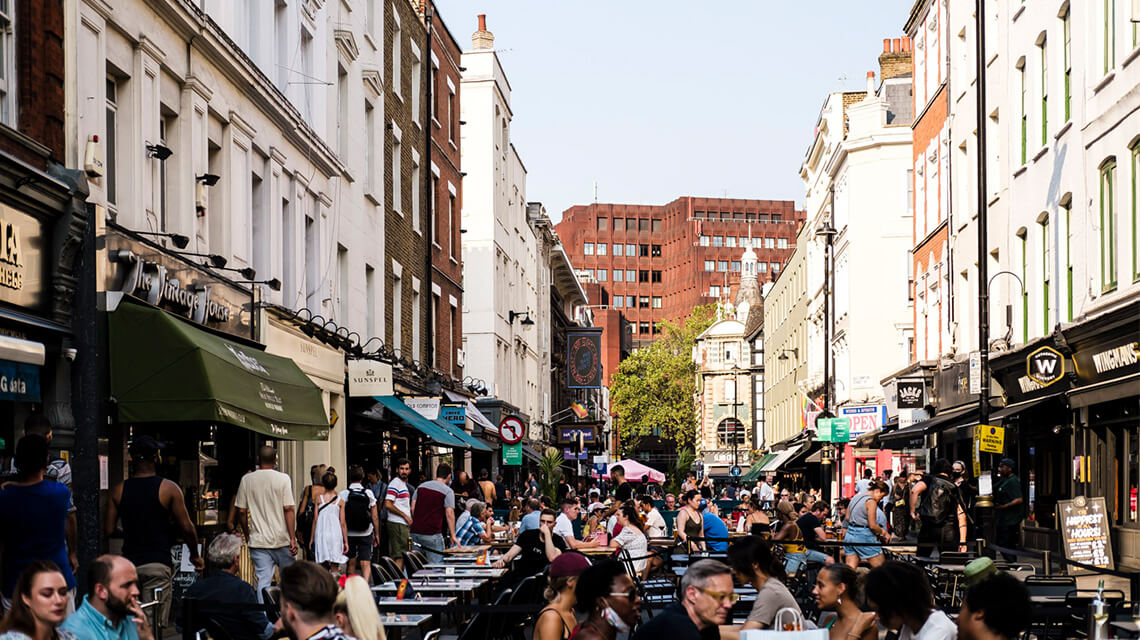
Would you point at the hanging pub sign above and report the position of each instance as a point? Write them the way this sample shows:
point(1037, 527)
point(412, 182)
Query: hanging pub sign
point(367, 378)
point(911, 394)
point(1085, 532)
point(163, 279)
point(584, 358)
point(1045, 366)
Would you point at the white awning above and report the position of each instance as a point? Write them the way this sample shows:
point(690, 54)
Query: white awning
point(783, 456)
point(23, 351)
point(472, 412)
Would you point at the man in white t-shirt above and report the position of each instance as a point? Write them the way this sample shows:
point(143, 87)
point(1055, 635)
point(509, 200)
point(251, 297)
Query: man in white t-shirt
point(359, 504)
point(766, 495)
point(398, 501)
point(564, 526)
point(266, 516)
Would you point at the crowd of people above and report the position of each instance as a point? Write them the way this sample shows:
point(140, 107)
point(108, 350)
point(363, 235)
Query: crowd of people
point(341, 530)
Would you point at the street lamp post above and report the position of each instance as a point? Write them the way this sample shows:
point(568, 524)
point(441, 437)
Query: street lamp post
point(827, 232)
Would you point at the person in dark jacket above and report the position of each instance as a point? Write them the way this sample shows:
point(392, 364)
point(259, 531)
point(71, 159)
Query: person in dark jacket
point(225, 598)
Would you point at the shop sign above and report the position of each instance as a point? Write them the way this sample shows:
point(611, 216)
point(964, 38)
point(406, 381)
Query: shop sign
point(834, 430)
point(21, 259)
point(453, 414)
point(991, 439)
point(569, 454)
point(426, 407)
point(864, 419)
point(368, 378)
point(1085, 532)
point(1108, 360)
point(512, 455)
point(174, 284)
point(20, 382)
point(908, 417)
point(584, 359)
point(911, 394)
point(1045, 366)
point(569, 435)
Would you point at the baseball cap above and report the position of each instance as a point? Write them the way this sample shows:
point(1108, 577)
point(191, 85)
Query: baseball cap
point(979, 569)
point(144, 446)
point(568, 565)
point(1007, 462)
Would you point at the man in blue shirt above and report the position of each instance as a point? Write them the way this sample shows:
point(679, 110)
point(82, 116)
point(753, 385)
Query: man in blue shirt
point(716, 533)
point(226, 599)
point(35, 512)
point(111, 609)
point(533, 515)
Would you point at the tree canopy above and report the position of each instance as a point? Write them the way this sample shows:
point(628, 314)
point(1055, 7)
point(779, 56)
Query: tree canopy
point(654, 387)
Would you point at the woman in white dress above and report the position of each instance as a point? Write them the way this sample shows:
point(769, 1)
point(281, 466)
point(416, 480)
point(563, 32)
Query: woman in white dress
point(330, 535)
point(632, 536)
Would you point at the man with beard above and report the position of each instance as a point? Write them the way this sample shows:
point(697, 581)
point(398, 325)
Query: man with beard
point(308, 593)
point(111, 608)
point(398, 502)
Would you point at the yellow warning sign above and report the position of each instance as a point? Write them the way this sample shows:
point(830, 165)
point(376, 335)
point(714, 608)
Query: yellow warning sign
point(991, 439)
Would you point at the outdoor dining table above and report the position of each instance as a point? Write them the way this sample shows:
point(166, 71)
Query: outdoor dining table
point(466, 550)
point(462, 572)
point(460, 563)
point(454, 585)
point(395, 623)
point(390, 603)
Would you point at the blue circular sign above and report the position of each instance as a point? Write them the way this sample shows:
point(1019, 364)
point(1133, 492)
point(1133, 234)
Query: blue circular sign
point(735, 471)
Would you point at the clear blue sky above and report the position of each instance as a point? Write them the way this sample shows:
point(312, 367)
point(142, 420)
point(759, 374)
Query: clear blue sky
point(654, 99)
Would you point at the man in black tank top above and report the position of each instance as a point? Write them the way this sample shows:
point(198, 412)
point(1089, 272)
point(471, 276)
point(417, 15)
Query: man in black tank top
point(146, 503)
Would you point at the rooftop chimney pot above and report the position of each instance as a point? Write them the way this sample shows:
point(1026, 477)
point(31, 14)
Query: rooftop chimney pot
point(482, 22)
point(898, 45)
point(483, 39)
point(886, 45)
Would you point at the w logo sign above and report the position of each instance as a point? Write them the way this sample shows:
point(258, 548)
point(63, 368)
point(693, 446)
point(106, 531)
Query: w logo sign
point(1045, 366)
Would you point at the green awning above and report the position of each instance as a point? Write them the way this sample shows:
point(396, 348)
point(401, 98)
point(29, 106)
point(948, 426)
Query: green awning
point(429, 428)
point(469, 441)
point(753, 474)
point(165, 369)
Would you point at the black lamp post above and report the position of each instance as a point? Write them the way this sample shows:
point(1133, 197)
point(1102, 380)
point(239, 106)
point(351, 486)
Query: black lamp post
point(827, 232)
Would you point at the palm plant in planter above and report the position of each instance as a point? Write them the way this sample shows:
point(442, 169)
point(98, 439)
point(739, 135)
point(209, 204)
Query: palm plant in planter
point(550, 472)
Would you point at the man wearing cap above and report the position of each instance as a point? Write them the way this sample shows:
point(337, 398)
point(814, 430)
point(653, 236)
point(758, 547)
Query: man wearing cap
point(1009, 506)
point(146, 503)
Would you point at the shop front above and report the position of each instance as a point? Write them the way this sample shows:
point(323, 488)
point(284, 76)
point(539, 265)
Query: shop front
point(1105, 402)
point(182, 367)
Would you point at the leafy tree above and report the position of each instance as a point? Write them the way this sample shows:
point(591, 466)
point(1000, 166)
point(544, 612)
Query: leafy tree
point(654, 387)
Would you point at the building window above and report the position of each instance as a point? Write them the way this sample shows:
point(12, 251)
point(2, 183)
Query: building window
point(1067, 210)
point(1024, 112)
point(643, 224)
point(769, 243)
point(1024, 238)
point(589, 273)
point(1107, 226)
point(1109, 35)
point(714, 291)
point(415, 191)
point(602, 273)
point(1044, 92)
point(736, 266)
point(730, 241)
point(619, 249)
point(643, 328)
point(657, 225)
point(112, 135)
point(761, 267)
point(1135, 210)
point(643, 302)
point(781, 243)
point(722, 265)
point(602, 248)
point(7, 64)
point(655, 250)
point(633, 328)
point(452, 116)
point(643, 275)
point(619, 275)
point(656, 302)
point(643, 250)
point(1046, 273)
point(710, 265)
point(775, 267)
point(618, 299)
point(619, 224)
point(703, 241)
point(630, 275)
point(603, 223)
point(730, 433)
point(397, 164)
point(397, 57)
point(588, 249)
point(655, 276)
point(718, 241)
point(452, 228)
point(1066, 29)
point(631, 250)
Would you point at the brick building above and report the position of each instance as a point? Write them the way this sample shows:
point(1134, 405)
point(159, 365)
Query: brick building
point(446, 201)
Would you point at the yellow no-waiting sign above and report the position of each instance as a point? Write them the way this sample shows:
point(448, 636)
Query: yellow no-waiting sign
point(991, 439)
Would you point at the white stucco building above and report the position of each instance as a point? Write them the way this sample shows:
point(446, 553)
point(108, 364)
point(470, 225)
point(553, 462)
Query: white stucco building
point(501, 266)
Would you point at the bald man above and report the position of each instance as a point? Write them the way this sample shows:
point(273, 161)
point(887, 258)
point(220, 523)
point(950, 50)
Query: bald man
point(111, 610)
point(265, 499)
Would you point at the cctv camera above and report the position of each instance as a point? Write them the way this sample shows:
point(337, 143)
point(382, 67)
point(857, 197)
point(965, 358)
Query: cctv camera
point(70, 353)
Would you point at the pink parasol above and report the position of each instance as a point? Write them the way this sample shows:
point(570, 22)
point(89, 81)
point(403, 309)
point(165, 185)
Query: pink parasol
point(638, 472)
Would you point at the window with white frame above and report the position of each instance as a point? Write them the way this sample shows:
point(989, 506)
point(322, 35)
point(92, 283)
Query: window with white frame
point(1107, 225)
point(417, 82)
point(588, 248)
point(397, 54)
point(416, 186)
point(111, 137)
point(7, 63)
point(396, 168)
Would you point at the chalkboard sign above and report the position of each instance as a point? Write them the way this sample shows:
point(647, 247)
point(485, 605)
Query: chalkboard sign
point(1085, 532)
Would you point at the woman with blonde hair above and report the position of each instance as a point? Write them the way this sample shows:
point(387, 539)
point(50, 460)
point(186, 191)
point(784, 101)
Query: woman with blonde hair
point(356, 612)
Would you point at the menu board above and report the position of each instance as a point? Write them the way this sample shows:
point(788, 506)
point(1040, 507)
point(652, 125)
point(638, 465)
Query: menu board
point(1085, 532)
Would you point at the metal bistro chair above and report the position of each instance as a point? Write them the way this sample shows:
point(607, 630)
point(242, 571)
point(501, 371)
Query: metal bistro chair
point(414, 561)
point(271, 598)
point(1049, 620)
point(388, 567)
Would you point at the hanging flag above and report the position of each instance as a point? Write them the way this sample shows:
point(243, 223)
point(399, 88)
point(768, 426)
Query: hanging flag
point(579, 410)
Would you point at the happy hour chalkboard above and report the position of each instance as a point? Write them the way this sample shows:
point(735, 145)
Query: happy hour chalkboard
point(1085, 532)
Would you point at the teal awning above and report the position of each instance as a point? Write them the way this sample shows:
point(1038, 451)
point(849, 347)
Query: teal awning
point(429, 428)
point(469, 441)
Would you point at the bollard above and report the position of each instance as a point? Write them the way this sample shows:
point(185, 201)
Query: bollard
point(1047, 562)
point(979, 546)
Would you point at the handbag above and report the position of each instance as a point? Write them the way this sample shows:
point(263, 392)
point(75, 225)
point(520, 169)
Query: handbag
point(791, 620)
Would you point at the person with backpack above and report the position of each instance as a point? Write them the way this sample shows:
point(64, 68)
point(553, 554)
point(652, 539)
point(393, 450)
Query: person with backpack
point(433, 514)
point(936, 503)
point(362, 520)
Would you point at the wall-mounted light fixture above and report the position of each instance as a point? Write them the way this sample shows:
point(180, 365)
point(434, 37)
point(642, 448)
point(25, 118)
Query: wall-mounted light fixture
point(272, 283)
point(160, 151)
point(246, 272)
point(783, 354)
point(178, 239)
point(216, 261)
point(525, 315)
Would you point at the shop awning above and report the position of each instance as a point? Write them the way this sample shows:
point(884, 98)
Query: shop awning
point(469, 441)
point(473, 413)
point(754, 472)
point(1105, 391)
point(165, 369)
point(902, 438)
point(530, 453)
point(774, 464)
point(430, 428)
point(1018, 407)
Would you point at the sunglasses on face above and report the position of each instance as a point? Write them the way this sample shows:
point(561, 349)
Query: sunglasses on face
point(731, 598)
point(631, 594)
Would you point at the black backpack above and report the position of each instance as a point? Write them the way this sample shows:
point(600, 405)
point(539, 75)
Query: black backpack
point(357, 510)
point(942, 499)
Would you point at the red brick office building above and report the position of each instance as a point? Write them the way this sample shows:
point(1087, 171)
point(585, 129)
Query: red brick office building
point(658, 262)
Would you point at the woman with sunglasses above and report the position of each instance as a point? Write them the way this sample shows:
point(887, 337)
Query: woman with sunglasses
point(608, 597)
point(39, 605)
point(752, 561)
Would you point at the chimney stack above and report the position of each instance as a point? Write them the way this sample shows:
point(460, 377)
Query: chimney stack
point(870, 84)
point(482, 39)
point(896, 59)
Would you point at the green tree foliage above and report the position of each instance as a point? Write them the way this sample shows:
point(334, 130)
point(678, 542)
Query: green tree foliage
point(677, 473)
point(550, 472)
point(654, 387)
